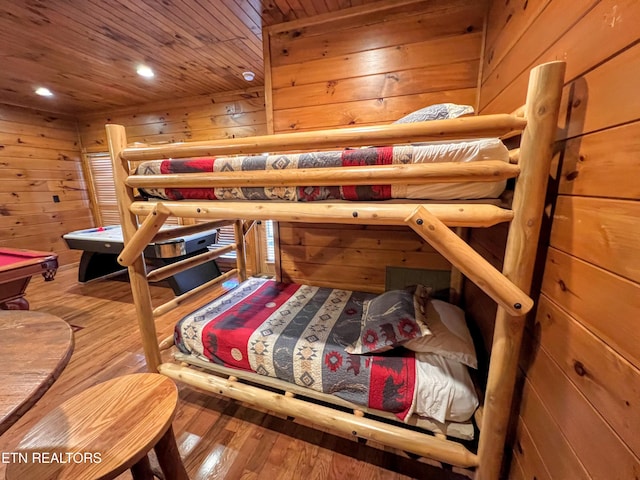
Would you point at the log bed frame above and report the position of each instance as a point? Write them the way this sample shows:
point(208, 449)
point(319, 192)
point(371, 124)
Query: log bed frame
point(537, 121)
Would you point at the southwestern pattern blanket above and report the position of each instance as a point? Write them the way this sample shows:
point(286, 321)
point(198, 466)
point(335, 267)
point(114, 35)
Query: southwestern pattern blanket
point(465, 151)
point(299, 333)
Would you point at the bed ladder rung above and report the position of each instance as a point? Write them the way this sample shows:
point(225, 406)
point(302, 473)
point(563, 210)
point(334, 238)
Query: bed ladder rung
point(175, 302)
point(469, 262)
point(182, 265)
point(149, 228)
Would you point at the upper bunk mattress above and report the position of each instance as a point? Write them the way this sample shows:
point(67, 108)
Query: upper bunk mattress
point(461, 151)
point(300, 333)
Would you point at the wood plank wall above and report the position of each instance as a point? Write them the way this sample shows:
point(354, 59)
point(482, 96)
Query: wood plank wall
point(42, 189)
point(367, 69)
point(204, 117)
point(579, 415)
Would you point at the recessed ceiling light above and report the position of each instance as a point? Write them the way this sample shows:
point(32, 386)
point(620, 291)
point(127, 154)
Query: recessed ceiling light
point(248, 76)
point(145, 71)
point(44, 92)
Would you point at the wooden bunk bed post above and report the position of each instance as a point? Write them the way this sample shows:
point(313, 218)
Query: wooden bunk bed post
point(241, 262)
point(117, 141)
point(536, 151)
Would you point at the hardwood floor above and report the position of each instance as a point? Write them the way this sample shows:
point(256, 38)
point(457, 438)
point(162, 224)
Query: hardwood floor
point(218, 438)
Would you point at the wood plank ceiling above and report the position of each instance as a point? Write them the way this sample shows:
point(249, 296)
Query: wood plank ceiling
point(87, 51)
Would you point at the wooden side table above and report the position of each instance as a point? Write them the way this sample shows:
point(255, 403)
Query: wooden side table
point(102, 432)
point(35, 348)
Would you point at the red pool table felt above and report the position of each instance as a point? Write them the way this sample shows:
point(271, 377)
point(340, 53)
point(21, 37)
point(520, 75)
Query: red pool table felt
point(17, 266)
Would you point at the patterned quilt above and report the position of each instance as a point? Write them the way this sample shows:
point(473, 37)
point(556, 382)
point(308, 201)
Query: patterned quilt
point(298, 333)
point(465, 151)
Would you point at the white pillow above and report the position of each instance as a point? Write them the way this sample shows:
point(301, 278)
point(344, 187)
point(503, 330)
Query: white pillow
point(444, 390)
point(450, 335)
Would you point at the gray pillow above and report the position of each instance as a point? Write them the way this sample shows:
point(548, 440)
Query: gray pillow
point(388, 321)
point(440, 111)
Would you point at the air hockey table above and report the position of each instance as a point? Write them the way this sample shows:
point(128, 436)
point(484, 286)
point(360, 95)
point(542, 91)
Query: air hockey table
point(101, 247)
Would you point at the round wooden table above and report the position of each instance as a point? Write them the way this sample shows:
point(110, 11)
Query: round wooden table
point(35, 349)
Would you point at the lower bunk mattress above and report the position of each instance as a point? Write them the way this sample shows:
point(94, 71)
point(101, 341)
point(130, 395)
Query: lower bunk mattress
point(303, 334)
point(460, 151)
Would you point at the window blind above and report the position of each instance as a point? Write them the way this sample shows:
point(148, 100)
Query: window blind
point(102, 178)
point(270, 248)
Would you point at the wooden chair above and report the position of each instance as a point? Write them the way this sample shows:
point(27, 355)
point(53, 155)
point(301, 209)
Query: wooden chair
point(102, 432)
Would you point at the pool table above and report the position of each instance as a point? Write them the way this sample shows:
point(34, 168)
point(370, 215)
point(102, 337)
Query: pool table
point(17, 266)
point(101, 247)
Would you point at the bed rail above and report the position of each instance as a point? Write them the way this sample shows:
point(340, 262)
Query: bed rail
point(182, 265)
point(437, 448)
point(175, 302)
point(465, 127)
point(414, 174)
point(372, 213)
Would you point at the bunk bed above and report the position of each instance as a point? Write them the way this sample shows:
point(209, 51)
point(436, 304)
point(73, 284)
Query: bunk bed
point(536, 122)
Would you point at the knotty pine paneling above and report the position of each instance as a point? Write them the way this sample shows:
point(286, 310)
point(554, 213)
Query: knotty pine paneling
point(595, 443)
point(443, 18)
point(361, 69)
point(42, 189)
point(361, 64)
point(516, 472)
point(590, 166)
point(607, 304)
point(505, 22)
point(365, 112)
point(592, 365)
point(454, 76)
point(584, 377)
point(351, 256)
point(528, 455)
point(204, 117)
point(555, 452)
point(585, 39)
point(604, 232)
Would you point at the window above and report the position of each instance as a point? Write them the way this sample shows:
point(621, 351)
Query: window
point(269, 245)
